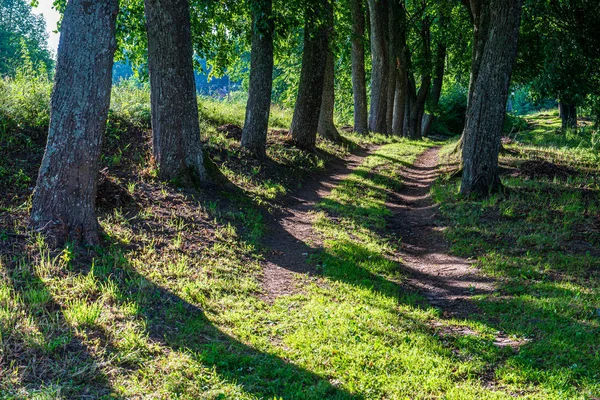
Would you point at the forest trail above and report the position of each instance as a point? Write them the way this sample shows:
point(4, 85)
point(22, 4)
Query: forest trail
point(291, 238)
point(446, 281)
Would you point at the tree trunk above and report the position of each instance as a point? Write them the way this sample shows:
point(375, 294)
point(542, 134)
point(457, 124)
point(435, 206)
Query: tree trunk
point(487, 105)
point(175, 131)
point(392, 70)
point(407, 108)
point(326, 127)
point(312, 76)
point(399, 54)
point(419, 98)
point(380, 65)
point(399, 107)
point(568, 115)
point(64, 200)
point(258, 107)
point(359, 87)
point(436, 90)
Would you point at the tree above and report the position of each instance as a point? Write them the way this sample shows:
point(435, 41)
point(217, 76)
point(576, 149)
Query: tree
point(254, 135)
point(379, 11)
point(22, 36)
point(495, 35)
point(436, 88)
point(312, 76)
point(64, 199)
point(175, 131)
point(326, 127)
point(359, 87)
point(555, 59)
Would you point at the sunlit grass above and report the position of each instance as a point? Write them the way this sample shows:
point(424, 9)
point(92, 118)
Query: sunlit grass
point(541, 243)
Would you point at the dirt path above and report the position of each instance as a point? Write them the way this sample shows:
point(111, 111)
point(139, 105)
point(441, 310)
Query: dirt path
point(446, 281)
point(291, 238)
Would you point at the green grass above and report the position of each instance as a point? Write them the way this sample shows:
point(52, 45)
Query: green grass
point(173, 305)
point(540, 243)
point(145, 316)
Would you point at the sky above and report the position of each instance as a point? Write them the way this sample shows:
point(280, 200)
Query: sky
point(51, 16)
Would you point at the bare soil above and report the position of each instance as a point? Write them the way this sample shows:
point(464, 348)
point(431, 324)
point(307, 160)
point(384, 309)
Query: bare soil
point(448, 282)
point(291, 239)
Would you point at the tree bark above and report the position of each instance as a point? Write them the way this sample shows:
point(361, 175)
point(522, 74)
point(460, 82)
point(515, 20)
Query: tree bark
point(490, 82)
point(64, 200)
point(399, 107)
point(568, 115)
point(359, 86)
point(380, 65)
point(326, 127)
point(418, 99)
point(258, 107)
point(312, 76)
point(392, 70)
point(175, 130)
point(399, 54)
point(436, 89)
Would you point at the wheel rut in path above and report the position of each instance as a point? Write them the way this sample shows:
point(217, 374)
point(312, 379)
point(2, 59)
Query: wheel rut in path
point(448, 282)
point(291, 238)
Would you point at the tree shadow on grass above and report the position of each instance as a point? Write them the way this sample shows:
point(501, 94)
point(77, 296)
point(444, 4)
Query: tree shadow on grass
point(48, 354)
point(526, 333)
point(182, 326)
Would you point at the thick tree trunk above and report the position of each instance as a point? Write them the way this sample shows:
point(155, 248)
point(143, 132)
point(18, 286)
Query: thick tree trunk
point(380, 65)
point(64, 200)
point(312, 76)
point(175, 131)
point(487, 105)
point(436, 89)
point(359, 86)
point(258, 107)
point(568, 115)
point(326, 127)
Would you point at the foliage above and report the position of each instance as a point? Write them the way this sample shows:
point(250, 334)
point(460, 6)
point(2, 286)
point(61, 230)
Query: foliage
point(452, 107)
point(23, 39)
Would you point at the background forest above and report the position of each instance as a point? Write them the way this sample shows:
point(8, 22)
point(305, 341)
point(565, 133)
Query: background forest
point(303, 199)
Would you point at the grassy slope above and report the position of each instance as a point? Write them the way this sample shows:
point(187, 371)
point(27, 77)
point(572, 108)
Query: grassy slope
point(542, 244)
point(171, 306)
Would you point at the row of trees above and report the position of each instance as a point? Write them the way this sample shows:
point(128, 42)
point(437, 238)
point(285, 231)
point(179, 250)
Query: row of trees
point(412, 46)
point(22, 39)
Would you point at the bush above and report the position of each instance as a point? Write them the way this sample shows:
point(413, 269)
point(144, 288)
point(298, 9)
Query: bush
point(24, 105)
point(451, 110)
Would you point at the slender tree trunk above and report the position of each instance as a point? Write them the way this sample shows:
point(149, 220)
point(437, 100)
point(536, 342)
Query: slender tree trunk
point(399, 107)
point(258, 107)
point(568, 115)
point(64, 201)
point(419, 98)
point(359, 86)
point(312, 76)
point(392, 70)
point(380, 61)
point(487, 106)
point(399, 54)
point(436, 89)
point(326, 127)
point(175, 131)
point(407, 108)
